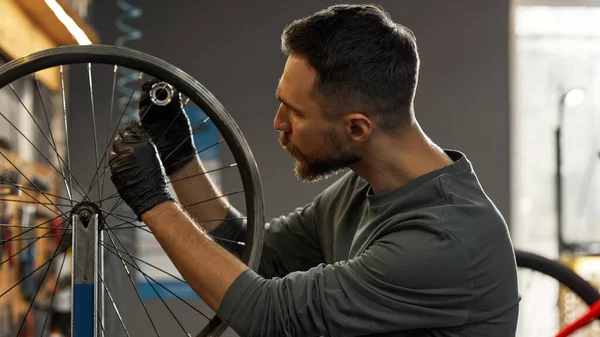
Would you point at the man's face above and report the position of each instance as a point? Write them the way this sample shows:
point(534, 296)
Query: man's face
point(319, 145)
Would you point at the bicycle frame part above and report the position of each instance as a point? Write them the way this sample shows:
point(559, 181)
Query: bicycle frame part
point(587, 318)
point(85, 281)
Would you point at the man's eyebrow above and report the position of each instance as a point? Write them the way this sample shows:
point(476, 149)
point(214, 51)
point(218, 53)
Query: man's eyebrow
point(286, 103)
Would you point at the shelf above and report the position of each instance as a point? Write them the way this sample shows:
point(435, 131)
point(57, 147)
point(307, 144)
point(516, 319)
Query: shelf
point(28, 26)
point(40, 12)
point(19, 36)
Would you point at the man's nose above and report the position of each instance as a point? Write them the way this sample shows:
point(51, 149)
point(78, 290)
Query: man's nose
point(281, 121)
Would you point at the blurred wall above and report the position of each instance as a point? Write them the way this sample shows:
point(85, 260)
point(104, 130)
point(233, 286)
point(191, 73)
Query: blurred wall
point(462, 100)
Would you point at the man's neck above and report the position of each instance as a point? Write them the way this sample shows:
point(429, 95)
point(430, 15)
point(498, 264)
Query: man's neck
point(392, 161)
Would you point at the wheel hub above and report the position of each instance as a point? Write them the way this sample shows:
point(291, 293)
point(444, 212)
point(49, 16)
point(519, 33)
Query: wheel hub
point(85, 210)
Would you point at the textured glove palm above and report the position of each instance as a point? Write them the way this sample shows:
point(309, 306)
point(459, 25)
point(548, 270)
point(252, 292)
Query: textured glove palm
point(136, 170)
point(168, 127)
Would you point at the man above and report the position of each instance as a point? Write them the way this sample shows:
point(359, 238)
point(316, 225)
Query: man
point(405, 244)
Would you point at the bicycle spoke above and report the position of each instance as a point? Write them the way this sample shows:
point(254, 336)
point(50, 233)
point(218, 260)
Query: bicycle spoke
point(117, 217)
point(106, 167)
point(24, 189)
point(34, 190)
point(107, 146)
point(133, 283)
point(23, 248)
point(144, 227)
point(21, 226)
point(204, 173)
point(101, 324)
point(93, 120)
point(33, 202)
point(114, 305)
point(214, 198)
point(64, 106)
point(121, 216)
point(189, 205)
point(116, 194)
point(31, 183)
point(39, 287)
point(54, 291)
point(107, 246)
point(198, 152)
point(120, 226)
point(167, 306)
point(114, 207)
point(37, 201)
point(31, 273)
point(59, 158)
point(186, 138)
point(113, 196)
point(25, 239)
point(35, 147)
point(96, 175)
point(135, 266)
point(217, 238)
point(53, 144)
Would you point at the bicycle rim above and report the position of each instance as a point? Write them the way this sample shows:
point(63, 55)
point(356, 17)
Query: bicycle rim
point(552, 296)
point(146, 65)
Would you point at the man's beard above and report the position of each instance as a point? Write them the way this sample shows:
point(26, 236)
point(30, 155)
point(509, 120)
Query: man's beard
point(332, 158)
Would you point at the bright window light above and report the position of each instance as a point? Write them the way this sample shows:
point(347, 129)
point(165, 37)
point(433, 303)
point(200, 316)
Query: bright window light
point(574, 97)
point(66, 20)
point(557, 21)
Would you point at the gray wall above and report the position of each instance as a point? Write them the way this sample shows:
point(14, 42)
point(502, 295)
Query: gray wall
point(462, 101)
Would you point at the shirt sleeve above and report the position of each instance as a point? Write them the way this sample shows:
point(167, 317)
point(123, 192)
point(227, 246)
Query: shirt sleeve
point(414, 277)
point(231, 231)
point(291, 242)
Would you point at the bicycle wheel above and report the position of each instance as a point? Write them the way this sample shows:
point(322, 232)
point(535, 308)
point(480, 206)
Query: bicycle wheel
point(56, 165)
point(552, 296)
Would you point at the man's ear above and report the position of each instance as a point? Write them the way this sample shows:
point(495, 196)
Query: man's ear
point(358, 127)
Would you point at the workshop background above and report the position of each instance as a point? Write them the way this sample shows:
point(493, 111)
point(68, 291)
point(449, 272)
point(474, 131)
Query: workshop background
point(495, 77)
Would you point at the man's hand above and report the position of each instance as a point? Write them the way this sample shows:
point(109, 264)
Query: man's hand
point(136, 170)
point(168, 127)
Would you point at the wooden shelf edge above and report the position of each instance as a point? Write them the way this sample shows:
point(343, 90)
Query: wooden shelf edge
point(20, 36)
point(40, 12)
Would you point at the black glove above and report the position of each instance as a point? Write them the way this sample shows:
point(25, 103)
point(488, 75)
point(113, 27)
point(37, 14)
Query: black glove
point(136, 170)
point(168, 127)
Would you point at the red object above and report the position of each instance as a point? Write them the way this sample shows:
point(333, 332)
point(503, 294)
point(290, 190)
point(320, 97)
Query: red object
point(58, 231)
point(8, 247)
point(29, 327)
point(584, 320)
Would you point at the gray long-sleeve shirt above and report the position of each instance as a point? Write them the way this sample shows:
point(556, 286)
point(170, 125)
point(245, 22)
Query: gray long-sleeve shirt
point(431, 258)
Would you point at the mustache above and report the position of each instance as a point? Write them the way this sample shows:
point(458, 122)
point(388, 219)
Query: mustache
point(286, 143)
point(284, 139)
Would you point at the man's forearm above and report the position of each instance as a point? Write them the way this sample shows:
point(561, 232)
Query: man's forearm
point(207, 267)
point(193, 188)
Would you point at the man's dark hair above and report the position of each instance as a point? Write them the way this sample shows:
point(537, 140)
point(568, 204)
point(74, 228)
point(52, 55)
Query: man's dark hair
point(363, 61)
